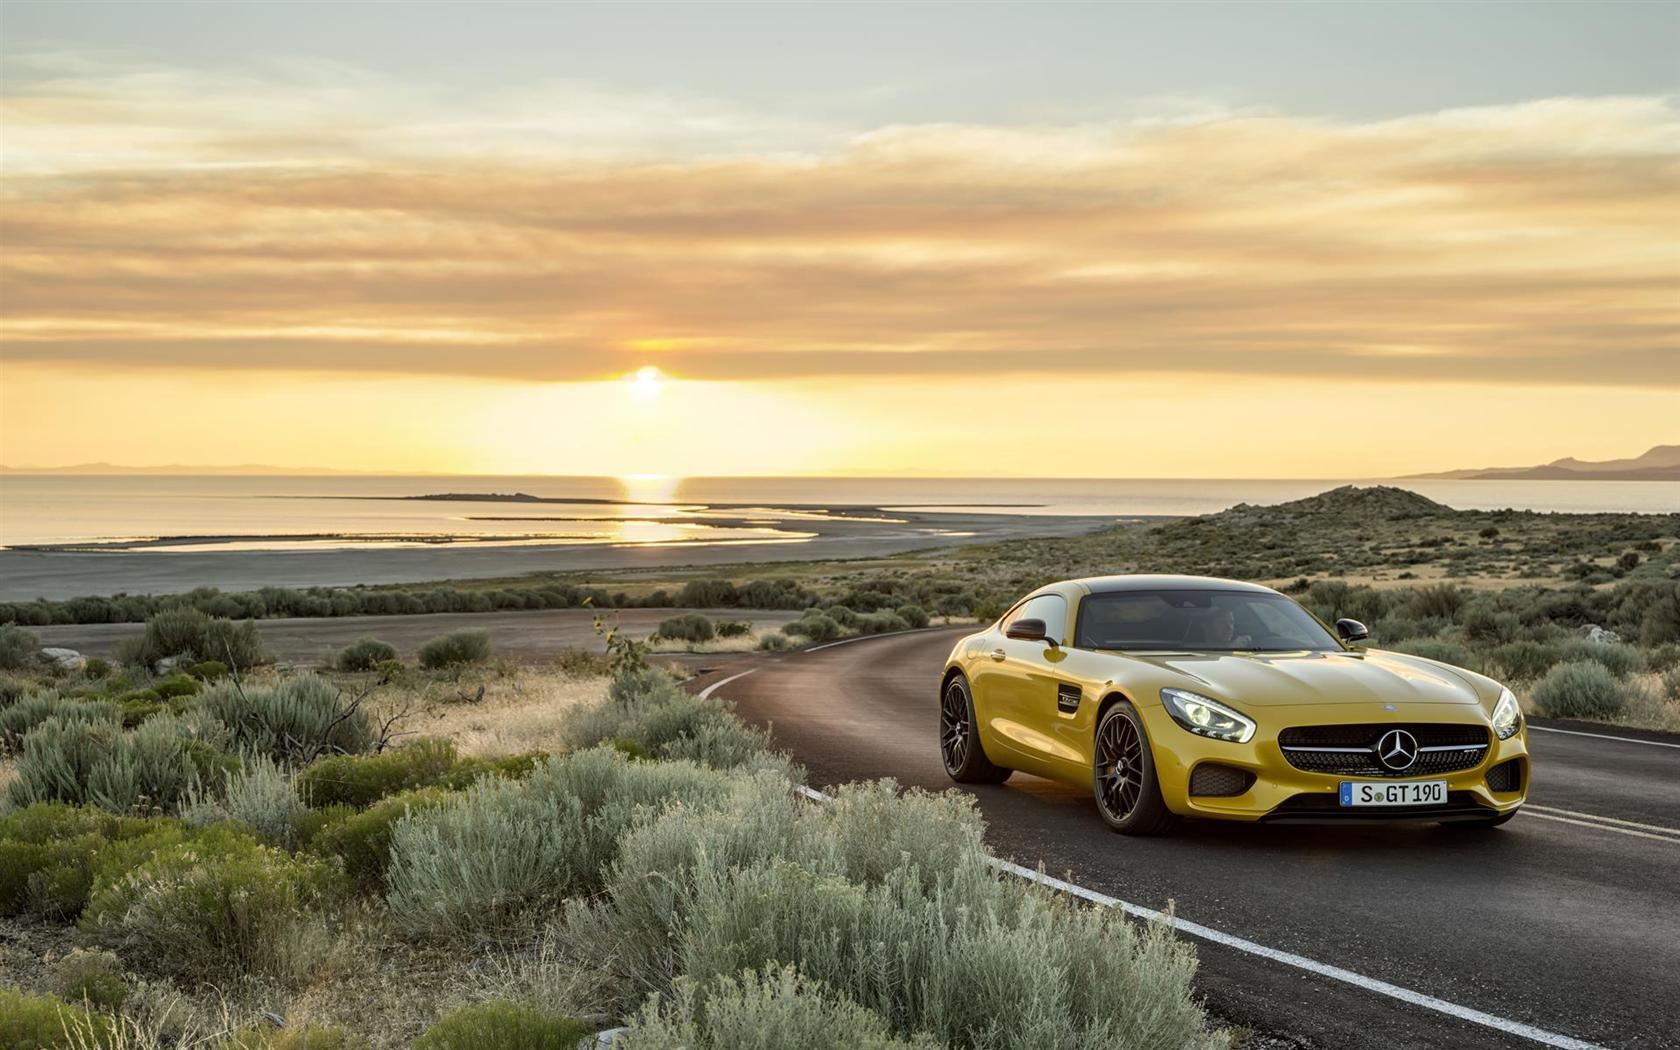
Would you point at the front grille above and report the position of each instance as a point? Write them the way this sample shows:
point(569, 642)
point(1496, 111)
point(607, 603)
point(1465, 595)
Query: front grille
point(1506, 776)
point(1210, 779)
point(1351, 750)
point(1319, 808)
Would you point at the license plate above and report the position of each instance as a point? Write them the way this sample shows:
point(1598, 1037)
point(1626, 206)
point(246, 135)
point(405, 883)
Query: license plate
point(1403, 793)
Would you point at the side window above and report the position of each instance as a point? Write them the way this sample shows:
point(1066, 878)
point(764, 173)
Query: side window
point(1051, 608)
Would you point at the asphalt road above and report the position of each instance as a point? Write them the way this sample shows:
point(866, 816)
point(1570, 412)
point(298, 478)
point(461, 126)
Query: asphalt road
point(1563, 920)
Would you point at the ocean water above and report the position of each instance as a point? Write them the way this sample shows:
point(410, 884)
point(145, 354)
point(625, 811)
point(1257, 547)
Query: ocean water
point(280, 512)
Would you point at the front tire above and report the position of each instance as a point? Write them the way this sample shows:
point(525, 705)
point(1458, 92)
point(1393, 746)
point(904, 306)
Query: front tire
point(959, 738)
point(1123, 776)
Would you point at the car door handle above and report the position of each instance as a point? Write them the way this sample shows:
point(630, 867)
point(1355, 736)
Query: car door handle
point(998, 654)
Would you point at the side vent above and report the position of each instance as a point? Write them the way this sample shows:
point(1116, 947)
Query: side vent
point(1212, 780)
point(1067, 698)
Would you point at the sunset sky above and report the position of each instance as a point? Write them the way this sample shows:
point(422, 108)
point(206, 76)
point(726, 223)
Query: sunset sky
point(1098, 240)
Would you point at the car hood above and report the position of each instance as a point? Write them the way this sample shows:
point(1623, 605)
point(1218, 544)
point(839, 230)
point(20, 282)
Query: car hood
point(1280, 679)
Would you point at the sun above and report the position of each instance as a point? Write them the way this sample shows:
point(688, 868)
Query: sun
point(645, 384)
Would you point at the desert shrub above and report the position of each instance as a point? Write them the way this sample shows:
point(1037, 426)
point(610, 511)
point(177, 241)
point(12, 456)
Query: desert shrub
point(176, 685)
point(754, 1012)
point(261, 795)
point(96, 668)
point(1525, 661)
point(732, 628)
point(45, 1022)
point(1671, 683)
point(188, 632)
point(364, 654)
point(362, 840)
point(147, 770)
point(1619, 659)
point(774, 643)
point(503, 1025)
point(17, 719)
point(1437, 649)
point(691, 627)
point(509, 852)
point(49, 852)
point(1439, 600)
point(883, 622)
point(237, 645)
point(455, 649)
point(293, 721)
point(219, 904)
point(20, 648)
point(507, 767)
point(913, 615)
point(307, 1037)
point(208, 670)
point(361, 780)
point(13, 689)
point(921, 933)
point(814, 626)
point(1663, 658)
point(91, 978)
point(662, 721)
point(1659, 624)
point(582, 663)
point(1581, 689)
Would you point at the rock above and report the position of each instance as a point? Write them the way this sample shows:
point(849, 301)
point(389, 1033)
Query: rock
point(64, 659)
point(1600, 636)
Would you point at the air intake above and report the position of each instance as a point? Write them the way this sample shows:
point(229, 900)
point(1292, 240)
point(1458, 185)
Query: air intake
point(1212, 780)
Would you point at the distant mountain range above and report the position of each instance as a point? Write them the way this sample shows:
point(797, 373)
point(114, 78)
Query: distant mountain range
point(1661, 463)
point(183, 469)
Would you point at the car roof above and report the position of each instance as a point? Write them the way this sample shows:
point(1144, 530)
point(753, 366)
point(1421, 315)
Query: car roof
point(1164, 582)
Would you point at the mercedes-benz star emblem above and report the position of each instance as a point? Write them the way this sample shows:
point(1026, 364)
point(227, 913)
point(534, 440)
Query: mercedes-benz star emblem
point(1397, 750)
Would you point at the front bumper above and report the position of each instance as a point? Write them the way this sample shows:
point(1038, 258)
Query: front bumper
point(1281, 792)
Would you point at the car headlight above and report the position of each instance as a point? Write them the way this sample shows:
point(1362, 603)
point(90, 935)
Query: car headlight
point(1206, 717)
point(1507, 716)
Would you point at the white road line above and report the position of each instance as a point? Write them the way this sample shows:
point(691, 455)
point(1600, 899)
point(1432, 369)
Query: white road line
point(1300, 962)
point(1602, 736)
point(1661, 828)
point(706, 693)
point(1675, 839)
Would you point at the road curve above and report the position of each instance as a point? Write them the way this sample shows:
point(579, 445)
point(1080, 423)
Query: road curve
point(1562, 920)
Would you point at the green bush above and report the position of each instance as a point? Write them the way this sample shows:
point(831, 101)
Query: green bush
point(753, 1012)
point(365, 654)
point(20, 649)
point(774, 643)
point(732, 628)
point(219, 904)
point(582, 663)
point(292, 721)
point(46, 1022)
point(361, 780)
point(814, 626)
point(1437, 649)
point(1619, 659)
point(185, 631)
point(208, 670)
point(96, 668)
point(508, 767)
point(883, 622)
point(1582, 689)
point(914, 615)
point(362, 840)
point(503, 1025)
point(1524, 660)
point(181, 684)
point(91, 979)
point(691, 627)
point(13, 689)
point(49, 852)
point(455, 649)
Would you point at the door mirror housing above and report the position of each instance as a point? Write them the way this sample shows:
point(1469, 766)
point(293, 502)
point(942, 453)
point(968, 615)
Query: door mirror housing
point(1351, 630)
point(1029, 631)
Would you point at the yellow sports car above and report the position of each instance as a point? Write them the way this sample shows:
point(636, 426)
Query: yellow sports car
point(1187, 696)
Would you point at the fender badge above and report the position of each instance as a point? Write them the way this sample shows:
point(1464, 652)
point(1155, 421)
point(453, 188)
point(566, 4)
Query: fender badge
point(1390, 707)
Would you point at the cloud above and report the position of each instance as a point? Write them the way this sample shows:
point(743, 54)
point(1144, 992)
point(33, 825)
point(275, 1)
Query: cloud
point(323, 220)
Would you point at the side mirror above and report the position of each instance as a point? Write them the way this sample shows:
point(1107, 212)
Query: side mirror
point(1352, 630)
point(1030, 631)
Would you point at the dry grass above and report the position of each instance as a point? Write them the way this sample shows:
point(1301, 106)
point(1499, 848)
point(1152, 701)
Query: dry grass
point(494, 713)
point(744, 643)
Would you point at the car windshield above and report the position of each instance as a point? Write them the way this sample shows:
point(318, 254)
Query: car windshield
point(1199, 621)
